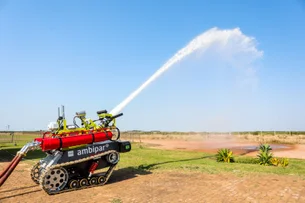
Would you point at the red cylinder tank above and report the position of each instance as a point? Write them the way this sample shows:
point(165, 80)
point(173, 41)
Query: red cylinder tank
point(57, 143)
point(38, 139)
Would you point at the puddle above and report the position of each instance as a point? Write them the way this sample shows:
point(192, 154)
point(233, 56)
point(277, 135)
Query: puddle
point(256, 148)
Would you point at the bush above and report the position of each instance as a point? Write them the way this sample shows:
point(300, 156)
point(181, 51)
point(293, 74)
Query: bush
point(265, 156)
point(225, 155)
point(275, 161)
point(280, 162)
point(284, 162)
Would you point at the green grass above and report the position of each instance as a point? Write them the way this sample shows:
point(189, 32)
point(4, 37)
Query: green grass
point(142, 158)
point(8, 150)
point(116, 200)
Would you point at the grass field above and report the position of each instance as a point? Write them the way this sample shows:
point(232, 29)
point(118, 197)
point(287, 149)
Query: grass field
point(142, 157)
point(264, 136)
point(161, 175)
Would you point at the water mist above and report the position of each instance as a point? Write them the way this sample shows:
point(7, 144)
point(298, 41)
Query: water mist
point(221, 38)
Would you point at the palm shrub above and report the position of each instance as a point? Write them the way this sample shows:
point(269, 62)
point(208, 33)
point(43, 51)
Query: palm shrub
point(275, 161)
point(284, 162)
point(264, 155)
point(280, 162)
point(225, 155)
point(265, 148)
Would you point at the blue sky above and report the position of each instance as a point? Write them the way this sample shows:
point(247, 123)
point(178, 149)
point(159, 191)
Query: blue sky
point(90, 55)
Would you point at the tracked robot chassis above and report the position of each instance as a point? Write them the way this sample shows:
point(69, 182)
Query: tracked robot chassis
point(74, 159)
point(74, 169)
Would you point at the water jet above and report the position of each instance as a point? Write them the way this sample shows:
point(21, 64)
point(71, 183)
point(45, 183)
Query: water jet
point(222, 39)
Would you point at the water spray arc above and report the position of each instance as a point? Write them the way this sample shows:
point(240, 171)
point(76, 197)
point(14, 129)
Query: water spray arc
point(204, 41)
point(195, 44)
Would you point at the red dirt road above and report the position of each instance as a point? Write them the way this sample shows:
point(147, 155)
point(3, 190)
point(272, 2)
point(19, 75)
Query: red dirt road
point(164, 187)
point(238, 147)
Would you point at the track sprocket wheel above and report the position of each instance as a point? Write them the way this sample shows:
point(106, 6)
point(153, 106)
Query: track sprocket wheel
point(55, 180)
point(113, 157)
point(35, 173)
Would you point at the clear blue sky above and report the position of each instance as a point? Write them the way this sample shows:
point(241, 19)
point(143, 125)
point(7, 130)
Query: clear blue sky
point(90, 55)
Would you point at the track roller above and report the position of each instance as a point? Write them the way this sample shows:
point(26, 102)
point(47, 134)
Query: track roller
point(74, 184)
point(101, 180)
point(83, 182)
point(93, 181)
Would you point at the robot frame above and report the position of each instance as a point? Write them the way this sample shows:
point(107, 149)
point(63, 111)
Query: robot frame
point(74, 154)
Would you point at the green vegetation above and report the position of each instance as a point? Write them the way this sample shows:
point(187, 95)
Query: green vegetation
point(8, 151)
point(275, 161)
point(225, 155)
point(116, 200)
point(284, 162)
point(142, 159)
point(264, 155)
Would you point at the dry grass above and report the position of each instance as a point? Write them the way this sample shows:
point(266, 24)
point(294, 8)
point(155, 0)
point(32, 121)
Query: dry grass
point(273, 138)
point(174, 136)
point(283, 138)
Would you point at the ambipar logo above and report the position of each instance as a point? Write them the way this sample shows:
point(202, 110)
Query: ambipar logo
point(90, 150)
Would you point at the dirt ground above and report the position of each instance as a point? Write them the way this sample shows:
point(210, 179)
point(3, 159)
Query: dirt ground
point(163, 187)
point(126, 185)
point(238, 147)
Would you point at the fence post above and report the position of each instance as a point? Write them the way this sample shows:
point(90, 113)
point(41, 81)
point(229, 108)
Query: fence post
point(12, 137)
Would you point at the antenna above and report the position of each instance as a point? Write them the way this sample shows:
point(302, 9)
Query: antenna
point(63, 111)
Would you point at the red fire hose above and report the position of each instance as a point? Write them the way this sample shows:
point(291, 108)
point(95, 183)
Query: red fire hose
point(10, 169)
point(6, 169)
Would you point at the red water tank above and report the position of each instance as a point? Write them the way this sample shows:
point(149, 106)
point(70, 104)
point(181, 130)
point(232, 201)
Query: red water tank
point(63, 142)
